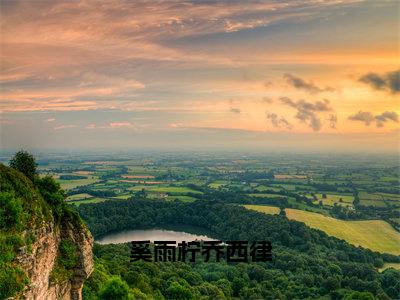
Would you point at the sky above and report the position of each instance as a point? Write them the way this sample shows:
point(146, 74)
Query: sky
point(237, 75)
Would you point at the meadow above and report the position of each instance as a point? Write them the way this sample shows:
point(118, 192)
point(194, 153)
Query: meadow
point(376, 235)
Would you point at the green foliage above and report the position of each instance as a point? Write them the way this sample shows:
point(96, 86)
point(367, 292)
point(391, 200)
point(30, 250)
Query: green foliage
point(67, 259)
point(24, 205)
point(178, 291)
point(50, 190)
point(25, 163)
point(72, 177)
point(21, 208)
point(68, 254)
point(11, 213)
point(391, 282)
point(306, 264)
point(360, 296)
point(115, 288)
point(12, 280)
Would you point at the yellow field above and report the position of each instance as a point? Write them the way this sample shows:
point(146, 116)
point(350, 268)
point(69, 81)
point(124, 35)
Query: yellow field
point(272, 210)
point(390, 265)
point(376, 235)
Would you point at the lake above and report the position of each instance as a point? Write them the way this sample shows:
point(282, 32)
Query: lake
point(152, 235)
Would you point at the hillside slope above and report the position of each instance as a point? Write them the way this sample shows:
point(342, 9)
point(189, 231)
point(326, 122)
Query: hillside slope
point(45, 250)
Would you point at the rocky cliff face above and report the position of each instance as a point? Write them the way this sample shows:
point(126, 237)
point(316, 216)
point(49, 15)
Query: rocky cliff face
point(41, 262)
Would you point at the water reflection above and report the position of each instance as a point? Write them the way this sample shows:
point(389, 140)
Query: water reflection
point(152, 235)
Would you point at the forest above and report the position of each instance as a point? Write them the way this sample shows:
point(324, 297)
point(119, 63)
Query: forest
point(306, 262)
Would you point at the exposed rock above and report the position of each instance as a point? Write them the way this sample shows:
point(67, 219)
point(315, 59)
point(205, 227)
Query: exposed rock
point(39, 263)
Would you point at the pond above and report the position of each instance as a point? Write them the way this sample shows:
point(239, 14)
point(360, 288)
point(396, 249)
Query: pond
point(152, 235)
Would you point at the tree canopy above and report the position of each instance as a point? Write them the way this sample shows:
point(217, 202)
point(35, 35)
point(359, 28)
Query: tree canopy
point(24, 162)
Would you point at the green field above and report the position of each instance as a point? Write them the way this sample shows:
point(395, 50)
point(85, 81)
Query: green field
point(78, 197)
point(90, 200)
point(331, 199)
point(267, 196)
point(262, 188)
point(368, 202)
point(376, 235)
point(272, 210)
point(367, 196)
point(390, 197)
point(181, 198)
point(123, 196)
point(218, 183)
point(171, 189)
point(70, 184)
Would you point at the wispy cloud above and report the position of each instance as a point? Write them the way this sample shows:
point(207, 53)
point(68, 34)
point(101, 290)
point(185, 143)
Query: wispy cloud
point(278, 122)
point(300, 83)
point(107, 50)
point(367, 118)
point(59, 127)
point(235, 110)
point(389, 81)
point(113, 125)
point(307, 111)
point(121, 125)
point(267, 100)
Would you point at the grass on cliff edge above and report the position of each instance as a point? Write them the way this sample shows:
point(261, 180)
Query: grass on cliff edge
point(376, 235)
point(24, 207)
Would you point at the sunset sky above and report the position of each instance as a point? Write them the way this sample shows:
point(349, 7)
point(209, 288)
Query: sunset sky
point(258, 75)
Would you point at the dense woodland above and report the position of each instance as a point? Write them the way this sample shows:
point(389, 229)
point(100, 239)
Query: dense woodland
point(306, 263)
point(208, 194)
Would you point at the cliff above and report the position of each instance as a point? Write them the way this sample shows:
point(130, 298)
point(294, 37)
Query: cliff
point(46, 250)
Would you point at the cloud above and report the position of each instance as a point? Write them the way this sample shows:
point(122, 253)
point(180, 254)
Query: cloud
point(91, 126)
point(332, 121)
point(389, 81)
point(307, 111)
point(268, 84)
point(112, 125)
point(65, 126)
point(123, 44)
point(386, 116)
point(267, 100)
point(363, 116)
point(176, 125)
point(278, 122)
point(367, 118)
point(121, 125)
point(235, 110)
point(299, 83)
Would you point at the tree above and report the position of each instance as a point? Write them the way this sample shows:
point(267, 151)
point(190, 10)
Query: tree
point(25, 163)
point(115, 288)
point(360, 296)
point(51, 190)
point(282, 212)
point(178, 291)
